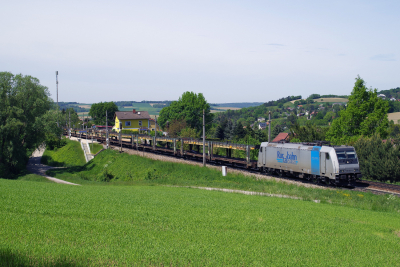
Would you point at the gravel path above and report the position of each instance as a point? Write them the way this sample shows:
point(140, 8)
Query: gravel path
point(34, 166)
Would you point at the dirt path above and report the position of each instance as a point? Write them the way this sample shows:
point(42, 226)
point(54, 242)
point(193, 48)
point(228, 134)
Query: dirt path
point(34, 166)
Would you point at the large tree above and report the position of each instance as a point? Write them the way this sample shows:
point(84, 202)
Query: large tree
point(189, 108)
point(365, 114)
point(98, 112)
point(25, 120)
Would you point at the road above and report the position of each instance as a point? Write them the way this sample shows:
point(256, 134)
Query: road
point(34, 166)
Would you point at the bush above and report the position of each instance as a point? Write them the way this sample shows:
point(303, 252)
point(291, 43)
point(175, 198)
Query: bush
point(378, 160)
point(53, 142)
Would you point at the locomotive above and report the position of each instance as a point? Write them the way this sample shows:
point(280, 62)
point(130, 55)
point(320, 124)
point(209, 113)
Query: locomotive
point(311, 161)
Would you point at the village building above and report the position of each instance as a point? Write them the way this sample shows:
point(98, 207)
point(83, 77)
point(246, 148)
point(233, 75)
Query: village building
point(281, 137)
point(262, 125)
point(131, 120)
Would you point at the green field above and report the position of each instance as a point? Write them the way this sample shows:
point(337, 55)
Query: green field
point(69, 155)
point(142, 107)
point(61, 225)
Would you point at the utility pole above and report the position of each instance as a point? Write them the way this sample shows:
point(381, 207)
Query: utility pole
point(107, 129)
point(269, 126)
point(204, 141)
point(69, 125)
point(155, 135)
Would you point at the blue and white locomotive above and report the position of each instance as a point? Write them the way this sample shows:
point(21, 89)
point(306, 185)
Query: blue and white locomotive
point(312, 161)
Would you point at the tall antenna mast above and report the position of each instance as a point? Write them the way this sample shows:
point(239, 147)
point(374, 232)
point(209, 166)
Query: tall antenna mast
point(57, 95)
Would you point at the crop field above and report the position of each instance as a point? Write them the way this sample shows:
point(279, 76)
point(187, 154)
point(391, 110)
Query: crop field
point(142, 107)
point(52, 224)
point(395, 117)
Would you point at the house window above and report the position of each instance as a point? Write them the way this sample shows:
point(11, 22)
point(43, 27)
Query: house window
point(140, 123)
point(127, 123)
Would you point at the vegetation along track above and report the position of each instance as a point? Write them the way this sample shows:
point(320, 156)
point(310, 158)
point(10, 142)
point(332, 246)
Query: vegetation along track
point(360, 185)
point(377, 187)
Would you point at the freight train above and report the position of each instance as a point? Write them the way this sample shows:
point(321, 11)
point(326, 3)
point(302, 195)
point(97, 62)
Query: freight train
point(312, 161)
point(317, 162)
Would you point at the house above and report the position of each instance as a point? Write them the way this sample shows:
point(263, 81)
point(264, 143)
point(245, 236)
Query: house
point(382, 96)
point(132, 120)
point(262, 125)
point(261, 119)
point(392, 99)
point(281, 137)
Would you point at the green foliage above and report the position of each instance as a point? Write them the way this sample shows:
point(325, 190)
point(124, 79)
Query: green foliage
point(33, 178)
point(281, 101)
point(69, 155)
point(69, 115)
point(188, 108)
point(366, 114)
point(308, 133)
point(378, 160)
point(190, 132)
point(25, 120)
point(98, 112)
point(95, 148)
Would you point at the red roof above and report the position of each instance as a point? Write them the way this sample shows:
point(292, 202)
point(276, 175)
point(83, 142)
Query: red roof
point(280, 137)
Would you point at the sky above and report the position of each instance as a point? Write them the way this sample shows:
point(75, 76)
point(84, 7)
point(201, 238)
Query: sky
point(231, 51)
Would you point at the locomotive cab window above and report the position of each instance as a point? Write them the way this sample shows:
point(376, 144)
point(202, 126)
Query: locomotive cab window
point(351, 154)
point(341, 155)
point(326, 155)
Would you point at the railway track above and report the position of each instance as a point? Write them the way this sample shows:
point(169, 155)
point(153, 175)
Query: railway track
point(360, 185)
point(377, 187)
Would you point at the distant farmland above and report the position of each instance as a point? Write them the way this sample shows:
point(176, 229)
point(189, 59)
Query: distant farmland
point(395, 117)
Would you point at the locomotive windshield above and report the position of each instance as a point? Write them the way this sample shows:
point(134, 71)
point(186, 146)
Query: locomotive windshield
point(347, 155)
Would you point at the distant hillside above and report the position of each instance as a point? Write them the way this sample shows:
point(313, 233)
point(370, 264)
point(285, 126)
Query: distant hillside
point(238, 105)
point(76, 106)
point(394, 92)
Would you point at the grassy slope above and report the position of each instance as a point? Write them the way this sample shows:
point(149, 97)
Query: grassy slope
point(135, 170)
point(33, 178)
point(69, 155)
point(94, 148)
point(47, 224)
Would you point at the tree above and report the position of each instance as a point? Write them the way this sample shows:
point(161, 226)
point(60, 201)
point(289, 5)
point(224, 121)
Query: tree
point(98, 112)
point(238, 131)
point(25, 120)
point(366, 114)
point(307, 133)
point(189, 107)
point(68, 114)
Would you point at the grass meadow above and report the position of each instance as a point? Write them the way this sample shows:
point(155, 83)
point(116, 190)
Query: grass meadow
point(46, 224)
point(134, 211)
point(95, 148)
point(120, 169)
point(69, 155)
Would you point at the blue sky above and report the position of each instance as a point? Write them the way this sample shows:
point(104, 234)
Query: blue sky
point(231, 51)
